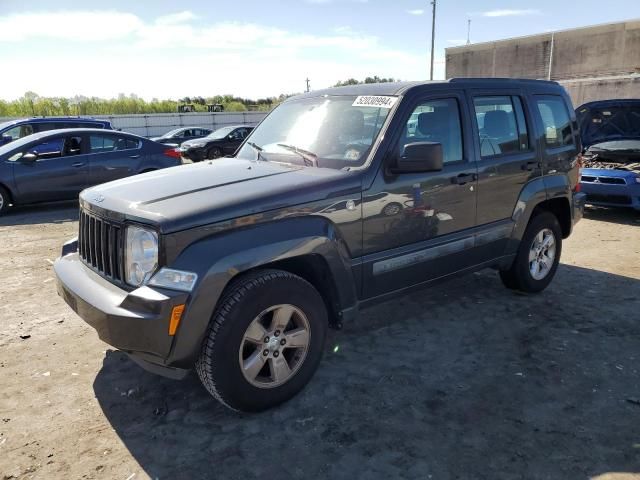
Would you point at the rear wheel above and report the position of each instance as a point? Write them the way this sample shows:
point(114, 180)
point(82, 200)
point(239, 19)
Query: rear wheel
point(265, 341)
point(538, 255)
point(4, 200)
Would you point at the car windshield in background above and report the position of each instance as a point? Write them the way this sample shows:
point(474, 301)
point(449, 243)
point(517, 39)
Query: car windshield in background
point(601, 124)
point(328, 131)
point(221, 133)
point(172, 133)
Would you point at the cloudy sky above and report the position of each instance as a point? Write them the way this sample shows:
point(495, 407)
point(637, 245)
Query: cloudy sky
point(252, 48)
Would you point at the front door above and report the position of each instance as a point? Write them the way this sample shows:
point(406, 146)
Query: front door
point(59, 173)
point(418, 226)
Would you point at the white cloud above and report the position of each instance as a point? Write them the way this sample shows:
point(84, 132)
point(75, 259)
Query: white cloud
point(176, 18)
point(510, 13)
point(89, 26)
point(417, 11)
point(133, 55)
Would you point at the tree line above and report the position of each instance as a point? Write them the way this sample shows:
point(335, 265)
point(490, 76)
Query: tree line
point(32, 104)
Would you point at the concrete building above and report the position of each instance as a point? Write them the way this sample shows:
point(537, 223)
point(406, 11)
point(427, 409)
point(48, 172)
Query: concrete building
point(593, 63)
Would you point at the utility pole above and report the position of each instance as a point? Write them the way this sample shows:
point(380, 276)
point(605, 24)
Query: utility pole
point(433, 36)
point(551, 55)
point(308, 85)
point(468, 31)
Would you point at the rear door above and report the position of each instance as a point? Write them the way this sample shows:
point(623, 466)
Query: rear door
point(59, 173)
point(507, 159)
point(113, 156)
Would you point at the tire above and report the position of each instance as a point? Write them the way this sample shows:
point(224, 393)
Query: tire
point(520, 276)
point(254, 301)
point(214, 153)
point(391, 209)
point(4, 200)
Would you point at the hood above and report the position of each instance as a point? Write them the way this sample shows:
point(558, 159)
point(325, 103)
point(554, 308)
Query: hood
point(608, 121)
point(204, 193)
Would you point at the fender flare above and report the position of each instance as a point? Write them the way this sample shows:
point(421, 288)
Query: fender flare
point(532, 195)
point(220, 258)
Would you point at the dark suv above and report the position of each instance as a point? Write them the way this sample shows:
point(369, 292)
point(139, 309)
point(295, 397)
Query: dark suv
point(237, 267)
point(15, 129)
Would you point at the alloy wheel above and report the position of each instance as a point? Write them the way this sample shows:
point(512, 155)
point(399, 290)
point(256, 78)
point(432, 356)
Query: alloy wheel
point(274, 346)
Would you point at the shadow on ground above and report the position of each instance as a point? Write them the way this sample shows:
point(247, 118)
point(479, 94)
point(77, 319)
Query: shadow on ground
point(46, 213)
point(622, 216)
point(463, 380)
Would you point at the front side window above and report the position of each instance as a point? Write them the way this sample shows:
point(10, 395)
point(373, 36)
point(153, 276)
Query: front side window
point(328, 131)
point(436, 121)
point(52, 148)
point(501, 125)
point(18, 132)
point(555, 121)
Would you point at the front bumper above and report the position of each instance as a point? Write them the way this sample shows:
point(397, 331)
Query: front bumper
point(136, 322)
point(612, 195)
point(193, 154)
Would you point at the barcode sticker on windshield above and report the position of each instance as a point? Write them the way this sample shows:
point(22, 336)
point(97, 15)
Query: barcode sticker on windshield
point(375, 101)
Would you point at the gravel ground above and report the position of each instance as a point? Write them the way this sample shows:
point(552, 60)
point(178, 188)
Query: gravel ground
point(465, 380)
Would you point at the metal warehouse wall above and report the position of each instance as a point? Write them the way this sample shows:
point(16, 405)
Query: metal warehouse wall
point(579, 55)
point(156, 124)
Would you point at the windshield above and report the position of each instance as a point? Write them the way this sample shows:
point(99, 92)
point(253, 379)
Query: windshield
point(609, 122)
point(329, 131)
point(221, 132)
point(172, 133)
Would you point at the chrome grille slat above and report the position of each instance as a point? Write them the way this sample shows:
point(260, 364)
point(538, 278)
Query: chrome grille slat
point(100, 245)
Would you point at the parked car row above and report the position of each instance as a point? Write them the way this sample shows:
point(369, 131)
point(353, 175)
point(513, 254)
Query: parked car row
point(50, 159)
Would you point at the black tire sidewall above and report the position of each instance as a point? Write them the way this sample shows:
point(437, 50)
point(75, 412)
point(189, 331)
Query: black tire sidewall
point(523, 274)
point(223, 362)
point(5, 200)
point(214, 153)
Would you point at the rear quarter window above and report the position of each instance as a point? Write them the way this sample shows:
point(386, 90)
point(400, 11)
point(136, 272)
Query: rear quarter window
point(556, 122)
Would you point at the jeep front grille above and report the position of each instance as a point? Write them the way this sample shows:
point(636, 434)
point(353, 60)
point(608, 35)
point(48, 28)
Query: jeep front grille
point(100, 245)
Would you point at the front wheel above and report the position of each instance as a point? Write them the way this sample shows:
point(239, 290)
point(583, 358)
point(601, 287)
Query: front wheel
point(538, 256)
point(214, 153)
point(4, 200)
point(265, 341)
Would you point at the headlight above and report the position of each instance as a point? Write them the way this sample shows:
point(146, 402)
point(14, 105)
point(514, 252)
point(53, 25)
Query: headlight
point(174, 279)
point(195, 145)
point(141, 255)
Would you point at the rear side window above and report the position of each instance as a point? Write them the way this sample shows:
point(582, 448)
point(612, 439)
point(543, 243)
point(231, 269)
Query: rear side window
point(501, 125)
point(110, 143)
point(555, 121)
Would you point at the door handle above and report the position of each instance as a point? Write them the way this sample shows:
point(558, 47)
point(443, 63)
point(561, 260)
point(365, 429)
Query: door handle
point(134, 156)
point(78, 164)
point(463, 178)
point(529, 166)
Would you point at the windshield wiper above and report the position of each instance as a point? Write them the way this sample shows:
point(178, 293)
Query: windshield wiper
point(309, 158)
point(258, 149)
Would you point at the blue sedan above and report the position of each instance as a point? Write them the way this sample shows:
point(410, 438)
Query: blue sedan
point(58, 164)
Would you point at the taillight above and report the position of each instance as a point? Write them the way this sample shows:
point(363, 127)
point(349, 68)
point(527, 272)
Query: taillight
point(576, 189)
point(172, 152)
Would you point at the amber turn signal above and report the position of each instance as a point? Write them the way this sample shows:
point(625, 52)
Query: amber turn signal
point(176, 316)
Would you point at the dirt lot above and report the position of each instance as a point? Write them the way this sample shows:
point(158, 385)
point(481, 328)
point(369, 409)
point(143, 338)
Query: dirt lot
point(462, 381)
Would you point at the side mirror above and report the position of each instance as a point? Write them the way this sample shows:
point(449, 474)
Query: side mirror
point(420, 157)
point(29, 157)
